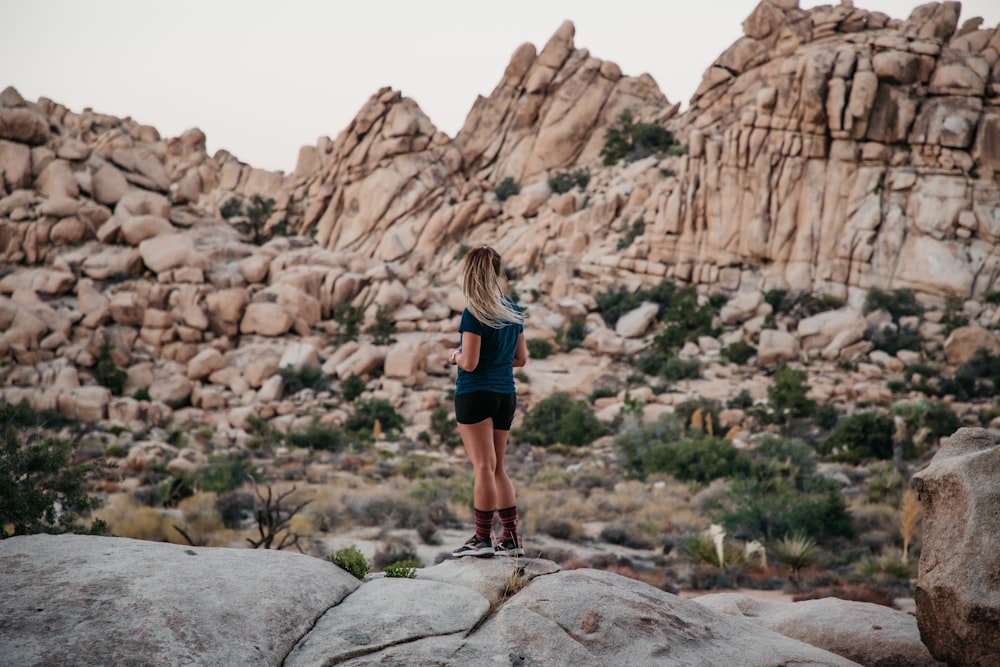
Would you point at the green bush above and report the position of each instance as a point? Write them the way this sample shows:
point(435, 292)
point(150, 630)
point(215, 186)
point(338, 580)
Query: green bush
point(255, 217)
point(349, 319)
point(954, 315)
point(351, 560)
point(632, 232)
point(630, 141)
point(668, 366)
point(702, 458)
point(559, 418)
point(443, 426)
point(979, 377)
point(362, 421)
point(319, 437)
point(616, 301)
point(899, 303)
point(539, 348)
point(508, 187)
point(225, 473)
point(564, 181)
point(863, 435)
point(572, 335)
point(382, 329)
point(42, 479)
point(892, 340)
point(308, 377)
point(739, 352)
point(781, 458)
point(106, 371)
point(708, 414)
point(641, 444)
point(263, 436)
point(786, 396)
point(354, 386)
point(404, 569)
point(772, 508)
point(231, 208)
point(142, 394)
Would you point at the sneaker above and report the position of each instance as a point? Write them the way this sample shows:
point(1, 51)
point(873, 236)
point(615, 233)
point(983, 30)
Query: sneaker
point(509, 546)
point(474, 547)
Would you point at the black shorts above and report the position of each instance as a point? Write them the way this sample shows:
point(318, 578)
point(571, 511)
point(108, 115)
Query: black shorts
point(476, 406)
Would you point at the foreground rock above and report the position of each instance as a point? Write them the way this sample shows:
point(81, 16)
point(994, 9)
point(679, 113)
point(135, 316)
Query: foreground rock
point(957, 596)
point(82, 600)
point(869, 634)
point(91, 600)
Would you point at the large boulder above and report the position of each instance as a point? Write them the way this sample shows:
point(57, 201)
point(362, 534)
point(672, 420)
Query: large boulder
point(963, 343)
point(957, 596)
point(82, 600)
point(868, 634)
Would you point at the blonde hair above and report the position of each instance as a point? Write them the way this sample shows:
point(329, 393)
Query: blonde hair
point(483, 292)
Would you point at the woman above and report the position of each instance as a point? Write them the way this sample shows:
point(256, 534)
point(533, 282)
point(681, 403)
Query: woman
point(492, 345)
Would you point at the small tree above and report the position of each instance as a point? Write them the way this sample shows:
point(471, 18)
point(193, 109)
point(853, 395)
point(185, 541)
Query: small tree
point(106, 371)
point(255, 217)
point(42, 484)
point(632, 141)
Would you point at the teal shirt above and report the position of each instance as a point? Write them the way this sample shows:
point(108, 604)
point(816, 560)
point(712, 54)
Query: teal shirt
point(495, 371)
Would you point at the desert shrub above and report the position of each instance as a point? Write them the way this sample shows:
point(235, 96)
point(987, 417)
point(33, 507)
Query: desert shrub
point(539, 348)
point(382, 329)
point(43, 484)
point(954, 315)
point(979, 377)
point(263, 436)
point(394, 550)
point(351, 560)
point(668, 366)
point(626, 535)
point(559, 527)
point(899, 303)
point(778, 300)
point(559, 418)
point(703, 458)
point(142, 394)
point(781, 458)
point(741, 401)
point(443, 426)
point(884, 485)
point(891, 340)
point(616, 301)
point(701, 549)
point(404, 569)
point(225, 473)
point(863, 435)
point(686, 320)
point(630, 141)
point(386, 510)
point(106, 371)
point(353, 387)
point(797, 551)
point(769, 509)
point(700, 414)
point(572, 335)
point(926, 422)
point(254, 217)
point(319, 437)
point(361, 422)
point(639, 443)
point(739, 352)
point(632, 232)
point(564, 181)
point(786, 396)
point(235, 508)
point(295, 380)
point(349, 319)
point(508, 187)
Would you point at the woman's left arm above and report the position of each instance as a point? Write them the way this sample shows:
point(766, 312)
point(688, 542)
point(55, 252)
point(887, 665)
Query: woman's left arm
point(521, 352)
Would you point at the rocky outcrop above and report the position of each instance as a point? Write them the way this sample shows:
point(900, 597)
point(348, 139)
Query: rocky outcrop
point(92, 600)
point(957, 596)
point(866, 633)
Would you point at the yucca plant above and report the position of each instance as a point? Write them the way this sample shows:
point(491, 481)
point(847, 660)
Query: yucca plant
point(796, 551)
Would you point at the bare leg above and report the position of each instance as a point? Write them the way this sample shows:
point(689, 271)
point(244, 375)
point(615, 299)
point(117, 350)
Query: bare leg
point(505, 496)
point(479, 447)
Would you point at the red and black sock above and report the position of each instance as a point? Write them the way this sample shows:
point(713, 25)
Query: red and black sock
point(508, 517)
point(484, 525)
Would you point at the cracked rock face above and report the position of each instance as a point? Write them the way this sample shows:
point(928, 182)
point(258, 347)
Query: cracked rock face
point(72, 599)
point(958, 584)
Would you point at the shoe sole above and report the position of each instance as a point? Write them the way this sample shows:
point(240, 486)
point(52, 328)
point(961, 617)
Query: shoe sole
point(481, 553)
point(512, 552)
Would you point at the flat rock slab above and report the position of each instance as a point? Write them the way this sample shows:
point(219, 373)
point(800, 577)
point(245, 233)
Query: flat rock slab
point(83, 600)
point(866, 633)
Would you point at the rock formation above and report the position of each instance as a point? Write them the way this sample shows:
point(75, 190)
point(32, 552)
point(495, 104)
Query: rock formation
point(957, 595)
point(92, 600)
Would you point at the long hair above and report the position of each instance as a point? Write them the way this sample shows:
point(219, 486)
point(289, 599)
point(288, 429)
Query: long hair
point(483, 293)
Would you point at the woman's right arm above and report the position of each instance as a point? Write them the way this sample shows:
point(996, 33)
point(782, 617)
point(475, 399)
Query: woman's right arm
point(521, 352)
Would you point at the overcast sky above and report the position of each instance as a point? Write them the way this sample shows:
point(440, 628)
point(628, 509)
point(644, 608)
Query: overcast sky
point(262, 78)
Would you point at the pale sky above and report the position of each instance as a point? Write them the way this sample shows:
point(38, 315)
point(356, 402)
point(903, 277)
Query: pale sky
point(262, 78)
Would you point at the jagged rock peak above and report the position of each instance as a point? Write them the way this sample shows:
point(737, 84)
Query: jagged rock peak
point(549, 110)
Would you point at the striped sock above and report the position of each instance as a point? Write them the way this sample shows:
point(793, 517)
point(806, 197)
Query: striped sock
point(484, 525)
point(508, 517)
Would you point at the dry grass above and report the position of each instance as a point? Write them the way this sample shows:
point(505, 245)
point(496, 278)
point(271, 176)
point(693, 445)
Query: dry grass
point(909, 514)
point(127, 518)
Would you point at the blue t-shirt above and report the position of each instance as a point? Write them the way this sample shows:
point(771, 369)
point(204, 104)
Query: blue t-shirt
point(495, 371)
